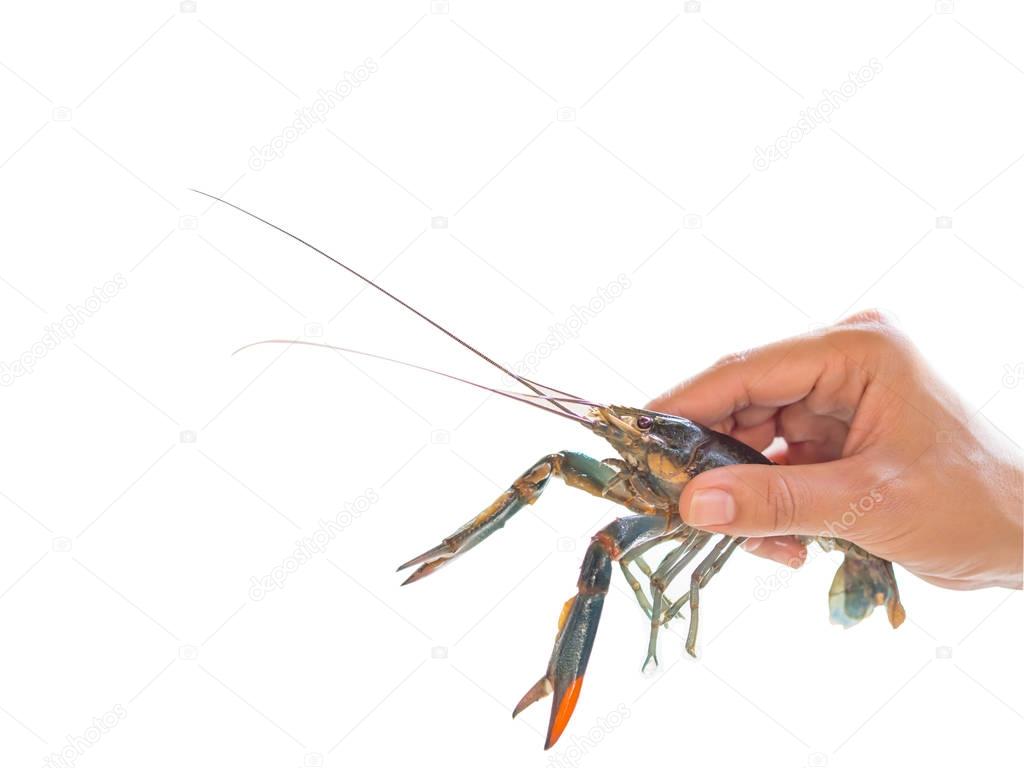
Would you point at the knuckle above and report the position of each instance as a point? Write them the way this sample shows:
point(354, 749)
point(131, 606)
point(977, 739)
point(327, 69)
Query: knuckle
point(873, 316)
point(868, 333)
point(733, 358)
point(781, 504)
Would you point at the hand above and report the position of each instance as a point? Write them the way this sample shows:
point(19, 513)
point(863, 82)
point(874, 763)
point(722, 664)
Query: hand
point(878, 451)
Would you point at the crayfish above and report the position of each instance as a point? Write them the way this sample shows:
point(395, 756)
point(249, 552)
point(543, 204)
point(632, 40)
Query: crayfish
point(658, 454)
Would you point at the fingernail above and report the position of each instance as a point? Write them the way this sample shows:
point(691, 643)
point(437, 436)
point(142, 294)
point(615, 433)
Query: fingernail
point(711, 507)
point(751, 545)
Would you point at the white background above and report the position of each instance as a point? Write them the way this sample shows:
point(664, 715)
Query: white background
point(147, 476)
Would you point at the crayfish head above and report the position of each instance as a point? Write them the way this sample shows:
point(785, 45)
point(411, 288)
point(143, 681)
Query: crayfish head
point(657, 443)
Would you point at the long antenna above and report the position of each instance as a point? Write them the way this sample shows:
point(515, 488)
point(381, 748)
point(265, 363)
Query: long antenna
point(519, 397)
point(525, 382)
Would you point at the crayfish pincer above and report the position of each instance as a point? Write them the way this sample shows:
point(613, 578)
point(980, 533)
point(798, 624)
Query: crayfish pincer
point(657, 455)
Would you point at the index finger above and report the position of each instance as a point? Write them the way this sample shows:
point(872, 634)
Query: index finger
point(769, 377)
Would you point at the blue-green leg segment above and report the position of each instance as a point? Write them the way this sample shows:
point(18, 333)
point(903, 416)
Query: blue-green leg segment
point(576, 469)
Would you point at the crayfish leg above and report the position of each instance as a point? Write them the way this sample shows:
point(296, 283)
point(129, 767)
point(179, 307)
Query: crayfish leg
point(576, 469)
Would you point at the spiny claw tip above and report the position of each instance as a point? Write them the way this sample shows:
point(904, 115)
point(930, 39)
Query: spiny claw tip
point(650, 665)
point(416, 575)
point(563, 711)
point(440, 551)
point(537, 691)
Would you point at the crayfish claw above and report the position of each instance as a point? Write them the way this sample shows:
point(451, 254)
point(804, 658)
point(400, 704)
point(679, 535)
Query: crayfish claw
point(441, 550)
point(424, 570)
point(538, 691)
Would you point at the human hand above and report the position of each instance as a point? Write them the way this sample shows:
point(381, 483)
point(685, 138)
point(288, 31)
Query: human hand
point(878, 451)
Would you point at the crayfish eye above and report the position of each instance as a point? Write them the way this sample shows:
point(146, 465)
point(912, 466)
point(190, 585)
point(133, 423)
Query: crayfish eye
point(644, 422)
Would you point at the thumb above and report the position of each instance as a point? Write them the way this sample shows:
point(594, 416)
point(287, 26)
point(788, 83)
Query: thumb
point(772, 500)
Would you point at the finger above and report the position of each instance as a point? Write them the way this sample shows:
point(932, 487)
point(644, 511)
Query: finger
point(765, 500)
point(759, 437)
point(787, 550)
point(813, 366)
point(798, 424)
point(753, 416)
point(751, 378)
point(811, 453)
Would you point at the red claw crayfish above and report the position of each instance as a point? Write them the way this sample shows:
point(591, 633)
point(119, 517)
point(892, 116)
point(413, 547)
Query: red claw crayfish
point(657, 455)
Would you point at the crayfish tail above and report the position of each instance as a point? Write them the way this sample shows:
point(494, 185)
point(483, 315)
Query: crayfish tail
point(894, 608)
point(862, 582)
